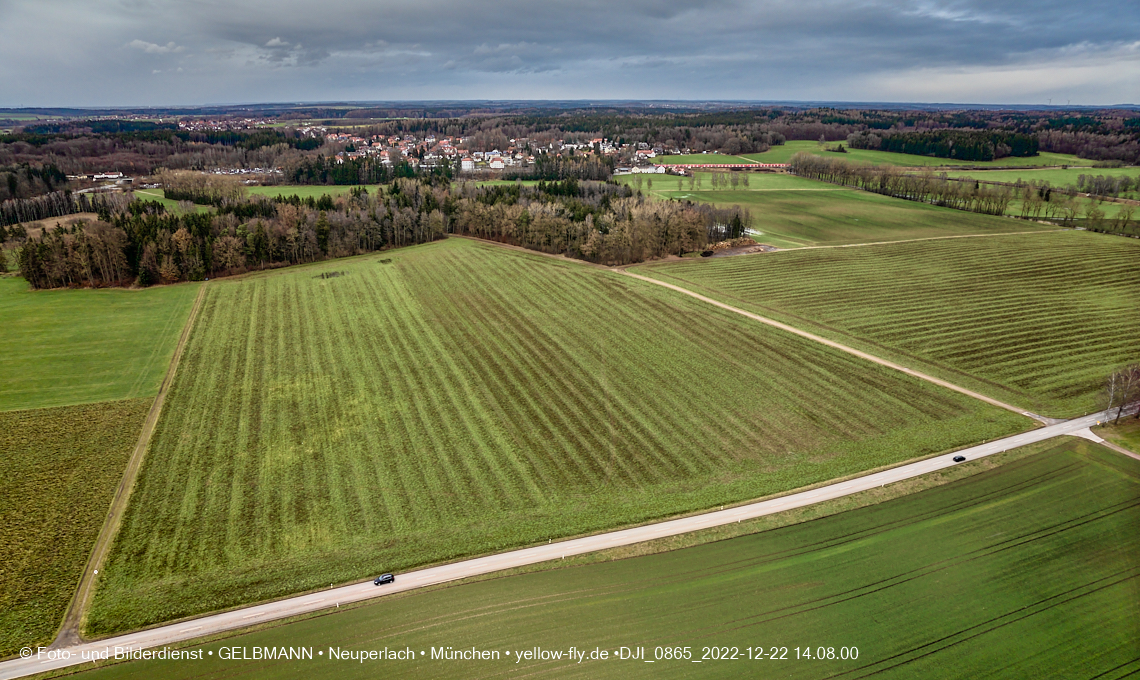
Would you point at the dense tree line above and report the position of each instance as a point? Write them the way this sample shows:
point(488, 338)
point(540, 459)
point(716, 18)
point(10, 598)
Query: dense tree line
point(1101, 185)
point(138, 242)
point(55, 204)
point(891, 181)
point(961, 145)
point(25, 180)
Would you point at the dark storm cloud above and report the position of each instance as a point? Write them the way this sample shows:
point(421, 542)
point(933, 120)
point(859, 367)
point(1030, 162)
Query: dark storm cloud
point(189, 51)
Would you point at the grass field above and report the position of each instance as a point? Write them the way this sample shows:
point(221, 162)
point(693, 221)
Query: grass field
point(58, 471)
point(930, 585)
point(1034, 320)
point(757, 181)
point(1054, 176)
point(159, 196)
point(304, 191)
point(79, 346)
point(463, 398)
point(784, 153)
point(1126, 433)
point(792, 212)
point(700, 158)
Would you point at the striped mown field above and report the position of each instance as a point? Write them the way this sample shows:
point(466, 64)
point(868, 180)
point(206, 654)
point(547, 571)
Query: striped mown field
point(58, 471)
point(1028, 570)
point(459, 398)
point(1035, 320)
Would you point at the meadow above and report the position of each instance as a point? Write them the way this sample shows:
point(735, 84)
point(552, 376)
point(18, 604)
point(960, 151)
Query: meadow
point(459, 398)
point(1057, 177)
point(929, 585)
point(700, 158)
point(1124, 432)
point(793, 212)
point(784, 153)
point(80, 346)
point(1035, 320)
point(171, 205)
point(58, 471)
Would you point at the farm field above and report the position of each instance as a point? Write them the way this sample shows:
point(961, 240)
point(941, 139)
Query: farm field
point(784, 153)
point(757, 181)
point(1055, 176)
point(58, 471)
point(701, 158)
point(80, 346)
point(304, 191)
point(1034, 320)
point(458, 398)
point(793, 212)
point(1126, 433)
point(929, 585)
point(171, 205)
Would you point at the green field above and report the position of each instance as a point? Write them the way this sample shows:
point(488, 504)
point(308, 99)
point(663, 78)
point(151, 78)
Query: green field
point(79, 346)
point(1125, 432)
point(1054, 176)
point(784, 153)
point(1028, 570)
point(58, 471)
point(696, 158)
point(1034, 320)
point(792, 212)
point(171, 205)
point(459, 398)
point(757, 181)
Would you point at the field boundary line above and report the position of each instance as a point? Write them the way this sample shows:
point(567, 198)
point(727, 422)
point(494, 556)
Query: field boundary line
point(843, 348)
point(70, 630)
point(926, 238)
point(326, 599)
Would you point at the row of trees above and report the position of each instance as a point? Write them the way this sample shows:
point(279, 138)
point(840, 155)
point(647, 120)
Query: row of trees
point(1122, 390)
point(55, 204)
point(891, 181)
point(1102, 185)
point(140, 242)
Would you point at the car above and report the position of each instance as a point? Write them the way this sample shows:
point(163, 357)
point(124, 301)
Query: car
point(959, 459)
point(383, 579)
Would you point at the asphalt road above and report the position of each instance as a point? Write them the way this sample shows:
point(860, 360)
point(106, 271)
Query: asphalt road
point(241, 618)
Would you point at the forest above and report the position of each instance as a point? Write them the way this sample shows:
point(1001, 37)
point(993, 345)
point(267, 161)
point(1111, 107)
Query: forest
point(137, 242)
point(962, 145)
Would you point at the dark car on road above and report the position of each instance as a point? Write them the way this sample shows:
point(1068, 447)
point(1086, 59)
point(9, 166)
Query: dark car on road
point(959, 459)
point(383, 579)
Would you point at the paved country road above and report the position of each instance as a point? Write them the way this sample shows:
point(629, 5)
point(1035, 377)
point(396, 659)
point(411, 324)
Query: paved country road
point(241, 618)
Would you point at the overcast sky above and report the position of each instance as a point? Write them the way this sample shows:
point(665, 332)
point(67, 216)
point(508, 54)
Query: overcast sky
point(167, 52)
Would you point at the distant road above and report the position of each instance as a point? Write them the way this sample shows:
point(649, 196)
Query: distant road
point(241, 618)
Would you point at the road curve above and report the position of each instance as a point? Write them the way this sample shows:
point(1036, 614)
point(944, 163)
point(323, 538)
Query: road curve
point(241, 618)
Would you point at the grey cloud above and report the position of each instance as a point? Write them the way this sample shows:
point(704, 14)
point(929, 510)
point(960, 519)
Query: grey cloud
point(446, 49)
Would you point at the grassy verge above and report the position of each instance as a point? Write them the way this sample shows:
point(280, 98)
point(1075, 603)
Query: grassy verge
point(1126, 433)
point(1033, 320)
point(59, 470)
point(457, 398)
point(928, 585)
point(79, 346)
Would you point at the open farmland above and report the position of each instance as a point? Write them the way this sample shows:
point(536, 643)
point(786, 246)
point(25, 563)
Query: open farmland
point(792, 214)
point(784, 152)
point(459, 398)
point(929, 585)
point(1035, 320)
point(1057, 177)
point(700, 158)
point(1124, 432)
point(78, 346)
point(171, 205)
point(58, 471)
